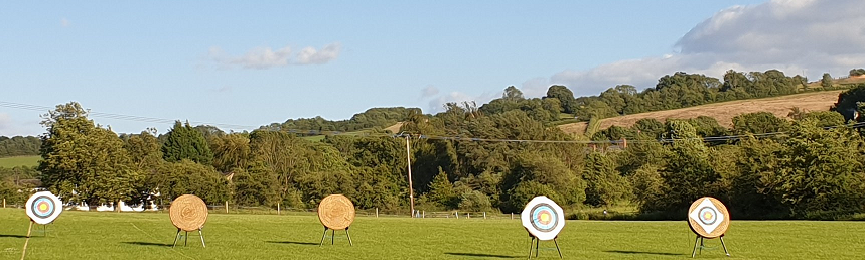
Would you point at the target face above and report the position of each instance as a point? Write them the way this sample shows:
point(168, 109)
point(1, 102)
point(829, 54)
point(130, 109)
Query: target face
point(543, 218)
point(706, 217)
point(336, 212)
point(43, 207)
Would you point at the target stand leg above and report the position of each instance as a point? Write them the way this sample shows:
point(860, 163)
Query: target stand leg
point(185, 237)
point(322, 237)
point(694, 253)
point(701, 245)
point(531, 246)
point(537, 247)
point(348, 236)
point(557, 247)
point(724, 245)
point(332, 234)
point(201, 236)
point(175, 238)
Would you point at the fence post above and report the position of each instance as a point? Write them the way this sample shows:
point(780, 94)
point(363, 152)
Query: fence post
point(512, 216)
point(226, 207)
point(423, 215)
point(485, 215)
point(4, 203)
point(468, 215)
point(277, 209)
point(457, 214)
point(376, 212)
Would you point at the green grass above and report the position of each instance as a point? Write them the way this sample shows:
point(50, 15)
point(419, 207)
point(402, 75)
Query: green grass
point(92, 235)
point(30, 160)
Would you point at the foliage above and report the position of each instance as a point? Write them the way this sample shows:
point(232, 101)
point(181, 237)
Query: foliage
point(857, 72)
point(184, 142)
point(187, 177)
point(827, 81)
point(84, 162)
point(19, 145)
point(849, 103)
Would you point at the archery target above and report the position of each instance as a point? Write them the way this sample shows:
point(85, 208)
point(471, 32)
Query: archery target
point(43, 207)
point(708, 217)
point(336, 212)
point(543, 218)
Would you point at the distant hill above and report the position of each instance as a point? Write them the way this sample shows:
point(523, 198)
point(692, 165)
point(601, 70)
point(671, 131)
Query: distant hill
point(723, 112)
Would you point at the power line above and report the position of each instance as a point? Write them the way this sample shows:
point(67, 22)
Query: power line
point(120, 116)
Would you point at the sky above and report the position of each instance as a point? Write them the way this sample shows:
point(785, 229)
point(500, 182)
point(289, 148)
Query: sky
point(239, 65)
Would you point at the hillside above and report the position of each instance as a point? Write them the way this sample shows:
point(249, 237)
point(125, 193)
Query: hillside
point(723, 112)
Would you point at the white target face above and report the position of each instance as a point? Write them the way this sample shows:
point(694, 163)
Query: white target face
point(43, 207)
point(543, 218)
point(707, 216)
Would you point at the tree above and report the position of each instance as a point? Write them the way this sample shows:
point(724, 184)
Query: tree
point(513, 94)
point(821, 171)
point(82, 161)
point(857, 72)
point(230, 152)
point(565, 96)
point(759, 123)
point(605, 186)
point(827, 81)
point(187, 177)
point(849, 103)
point(441, 191)
point(689, 174)
point(184, 142)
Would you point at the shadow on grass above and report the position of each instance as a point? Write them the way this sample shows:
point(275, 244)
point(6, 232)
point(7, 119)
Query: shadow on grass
point(147, 244)
point(482, 255)
point(293, 243)
point(643, 253)
point(13, 236)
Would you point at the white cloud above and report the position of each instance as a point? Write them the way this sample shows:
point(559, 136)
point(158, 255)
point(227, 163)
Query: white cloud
point(262, 58)
point(429, 91)
point(437, 104)
point(327, 53)
point(64, 22)
point(788, 35)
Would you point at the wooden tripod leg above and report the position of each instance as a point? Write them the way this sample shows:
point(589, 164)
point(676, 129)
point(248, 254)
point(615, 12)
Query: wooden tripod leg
point(537, 247)
point(185, 237)
point(201, 236)
point(175, 238)
point(531, 246)
point(348, 236)
point(322, 237)
point(694, 253)
point(724, 245)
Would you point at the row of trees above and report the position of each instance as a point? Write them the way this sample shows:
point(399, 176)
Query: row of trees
point(677, 91)
point(19, 145)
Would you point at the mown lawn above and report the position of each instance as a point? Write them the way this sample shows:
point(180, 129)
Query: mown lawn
point(13, 161)
point(92, 235)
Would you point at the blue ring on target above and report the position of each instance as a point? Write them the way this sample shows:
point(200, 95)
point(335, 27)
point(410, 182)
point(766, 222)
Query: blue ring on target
point(544, 218)
point(49, 207)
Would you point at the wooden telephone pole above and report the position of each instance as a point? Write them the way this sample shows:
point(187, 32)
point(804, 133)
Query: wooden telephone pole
point(408, 158)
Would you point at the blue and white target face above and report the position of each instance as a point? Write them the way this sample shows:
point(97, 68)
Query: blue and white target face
point(707, 216)
point(43, 207)
point(543, 218)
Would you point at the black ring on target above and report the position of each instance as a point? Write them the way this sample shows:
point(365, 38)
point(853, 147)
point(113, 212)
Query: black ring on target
point(553, 218)
point(47, 202)
point(714, 215)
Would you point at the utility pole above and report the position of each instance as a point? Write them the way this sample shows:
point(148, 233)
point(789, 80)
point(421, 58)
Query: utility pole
point(408, 158)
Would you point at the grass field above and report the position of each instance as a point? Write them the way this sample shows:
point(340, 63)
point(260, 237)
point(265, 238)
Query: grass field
point(92, 235)
point(13, 161)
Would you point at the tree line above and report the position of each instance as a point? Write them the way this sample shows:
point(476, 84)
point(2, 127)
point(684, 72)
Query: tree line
point(806, 168)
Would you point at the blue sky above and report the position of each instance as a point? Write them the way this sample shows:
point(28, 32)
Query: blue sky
point(249, 64)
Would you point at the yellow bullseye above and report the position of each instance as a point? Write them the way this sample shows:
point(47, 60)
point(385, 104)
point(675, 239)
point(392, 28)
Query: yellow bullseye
point(43, 207)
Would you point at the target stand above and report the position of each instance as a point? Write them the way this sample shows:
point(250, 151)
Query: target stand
point(186, 237)
point(332, 235)
point(335, 212)
point(536, 246)
point(544, 220)
point(188, 213)
point(709, 219)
